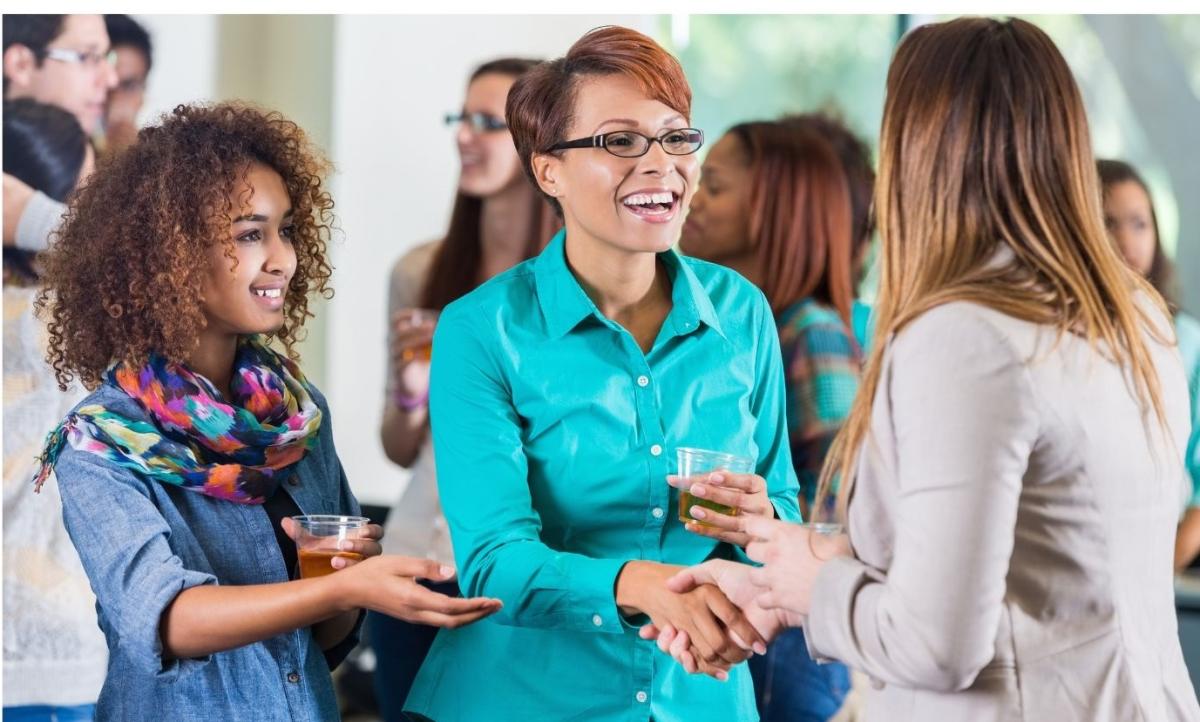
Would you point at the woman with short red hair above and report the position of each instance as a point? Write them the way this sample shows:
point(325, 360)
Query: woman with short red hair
point(560, 392)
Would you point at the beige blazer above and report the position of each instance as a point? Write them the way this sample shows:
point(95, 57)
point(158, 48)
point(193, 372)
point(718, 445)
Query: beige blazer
point(1013, 527)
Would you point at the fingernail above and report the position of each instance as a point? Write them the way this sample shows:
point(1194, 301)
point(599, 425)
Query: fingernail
point(445, 570)
point(716, 477)
point(699, 490)
point(722, 677)
point(760, 648)
point(698, 513)
point(343, 545)
point(338, 562)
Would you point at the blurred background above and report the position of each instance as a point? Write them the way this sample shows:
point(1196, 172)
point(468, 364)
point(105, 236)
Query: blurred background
point(373, 91)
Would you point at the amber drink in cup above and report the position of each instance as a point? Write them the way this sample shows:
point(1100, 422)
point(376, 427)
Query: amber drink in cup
point(317, 539)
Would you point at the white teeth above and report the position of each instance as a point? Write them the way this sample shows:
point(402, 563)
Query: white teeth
point(645, 199)
point(269, 292)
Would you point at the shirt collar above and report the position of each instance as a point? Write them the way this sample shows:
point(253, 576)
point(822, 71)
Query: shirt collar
point(564, 303)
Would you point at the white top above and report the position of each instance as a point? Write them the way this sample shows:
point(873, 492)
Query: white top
point(415, 526)
point(54, 652)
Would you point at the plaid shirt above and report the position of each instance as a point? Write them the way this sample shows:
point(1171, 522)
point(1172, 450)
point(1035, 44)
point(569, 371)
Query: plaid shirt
point(822, 362)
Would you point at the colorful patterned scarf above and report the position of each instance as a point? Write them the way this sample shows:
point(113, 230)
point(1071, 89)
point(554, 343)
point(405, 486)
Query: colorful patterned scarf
point(233, 451)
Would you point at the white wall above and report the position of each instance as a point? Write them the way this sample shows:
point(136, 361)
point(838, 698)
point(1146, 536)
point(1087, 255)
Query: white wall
point(394, 79)
point(185, 61)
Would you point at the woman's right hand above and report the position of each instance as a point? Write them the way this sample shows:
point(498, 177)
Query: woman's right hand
point(735, 580)
point(721, 635)
point(412, 337)
point(388, 584)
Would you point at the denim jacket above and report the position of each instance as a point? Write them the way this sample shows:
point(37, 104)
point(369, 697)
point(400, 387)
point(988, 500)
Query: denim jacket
point(143, 542)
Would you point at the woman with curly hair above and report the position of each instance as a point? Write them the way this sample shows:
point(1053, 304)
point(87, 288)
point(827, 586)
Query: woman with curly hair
point(180, 471)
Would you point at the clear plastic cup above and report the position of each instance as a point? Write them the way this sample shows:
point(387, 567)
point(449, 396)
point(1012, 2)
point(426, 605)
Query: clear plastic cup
point(317, 540)
point(701, 462)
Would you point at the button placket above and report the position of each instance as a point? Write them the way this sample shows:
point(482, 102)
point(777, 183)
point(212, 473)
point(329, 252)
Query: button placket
point(650, 421)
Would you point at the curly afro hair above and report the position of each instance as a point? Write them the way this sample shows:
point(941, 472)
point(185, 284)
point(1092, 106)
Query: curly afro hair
point(123, 278)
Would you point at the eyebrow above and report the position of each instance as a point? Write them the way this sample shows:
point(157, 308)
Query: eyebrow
point(630, 121)
point(259, 218)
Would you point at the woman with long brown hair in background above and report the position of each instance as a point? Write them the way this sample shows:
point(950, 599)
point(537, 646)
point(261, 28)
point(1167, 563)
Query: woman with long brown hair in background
point(1133, 225)
point(498, 220)
point(776, 202)
point(1013, 463)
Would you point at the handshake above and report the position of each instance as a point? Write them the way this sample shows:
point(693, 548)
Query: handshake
point(715, 615)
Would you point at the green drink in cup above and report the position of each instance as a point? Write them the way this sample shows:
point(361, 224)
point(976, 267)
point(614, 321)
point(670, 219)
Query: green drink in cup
point(700, 463)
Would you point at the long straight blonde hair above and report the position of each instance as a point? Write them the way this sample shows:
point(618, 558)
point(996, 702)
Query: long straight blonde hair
point(985, 145)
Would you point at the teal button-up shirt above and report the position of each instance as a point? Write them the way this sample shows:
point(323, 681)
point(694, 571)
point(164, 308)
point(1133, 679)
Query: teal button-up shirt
point(553, 435)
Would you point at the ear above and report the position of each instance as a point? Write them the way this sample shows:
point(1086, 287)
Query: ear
point(19, 65)
point(547, 171)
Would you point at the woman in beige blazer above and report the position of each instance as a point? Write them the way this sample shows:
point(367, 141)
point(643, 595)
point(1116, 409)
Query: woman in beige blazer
point(1016, 448)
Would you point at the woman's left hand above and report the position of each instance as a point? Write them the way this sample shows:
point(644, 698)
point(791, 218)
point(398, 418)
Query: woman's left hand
point(365, 541)
point(745, 492)
point(791, 556)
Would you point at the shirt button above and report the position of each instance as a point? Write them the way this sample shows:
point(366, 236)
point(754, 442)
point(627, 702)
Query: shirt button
point(656, 450)
point(293, 481)
point(293, 677)
point(640, 696)
point(597, 620)
point(657, 512)
point(643, 381)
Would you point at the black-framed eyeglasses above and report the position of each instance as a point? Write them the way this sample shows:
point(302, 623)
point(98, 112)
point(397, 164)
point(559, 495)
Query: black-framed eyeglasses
point(631, 144)
point(90, 59)
point(478, 122)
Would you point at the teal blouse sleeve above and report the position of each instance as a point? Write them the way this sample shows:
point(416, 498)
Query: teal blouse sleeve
point(1187, 329)
point(479, 454)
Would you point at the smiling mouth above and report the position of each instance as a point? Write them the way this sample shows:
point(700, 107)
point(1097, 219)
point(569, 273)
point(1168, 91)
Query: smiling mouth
point(267, 292)
point(660, 205)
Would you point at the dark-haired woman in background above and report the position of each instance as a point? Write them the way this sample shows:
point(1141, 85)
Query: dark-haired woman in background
point(775, 202)
point(1133, 225)
point(54, 654)
point(49, 154)
point(498, 220)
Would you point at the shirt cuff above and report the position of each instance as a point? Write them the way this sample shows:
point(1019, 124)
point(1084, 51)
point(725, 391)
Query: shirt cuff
point(595, 583)
point(142, 621)
point(40, 218)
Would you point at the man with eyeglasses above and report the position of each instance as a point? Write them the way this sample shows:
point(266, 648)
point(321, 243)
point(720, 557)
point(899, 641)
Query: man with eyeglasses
point(62, 60)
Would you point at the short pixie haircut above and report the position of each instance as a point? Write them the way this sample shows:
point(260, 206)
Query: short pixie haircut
point(541, 104)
